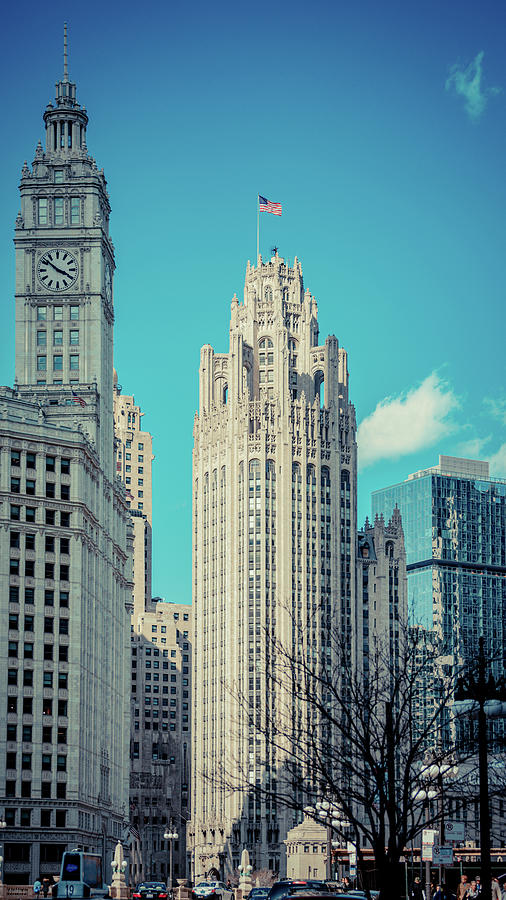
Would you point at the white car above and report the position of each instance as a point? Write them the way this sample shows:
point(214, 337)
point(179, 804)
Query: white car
point(213, 889)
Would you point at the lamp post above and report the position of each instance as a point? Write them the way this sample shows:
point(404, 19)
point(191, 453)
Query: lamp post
point(330, 816)
point(426, 794)
point(437, 772)
point(481, 689)
point(170, 836)
point(3, 825)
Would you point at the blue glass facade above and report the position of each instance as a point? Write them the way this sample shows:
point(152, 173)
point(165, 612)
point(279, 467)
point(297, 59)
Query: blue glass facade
point(455, 536)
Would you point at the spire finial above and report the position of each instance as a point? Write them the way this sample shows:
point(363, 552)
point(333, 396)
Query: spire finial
point(65, 59)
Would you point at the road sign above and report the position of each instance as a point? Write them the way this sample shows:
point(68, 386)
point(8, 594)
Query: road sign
point(442, 856)
point(427, 852)
point(455, 831)
point(429, 835)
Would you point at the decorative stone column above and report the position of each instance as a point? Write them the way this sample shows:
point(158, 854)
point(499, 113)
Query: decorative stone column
point(119, 889)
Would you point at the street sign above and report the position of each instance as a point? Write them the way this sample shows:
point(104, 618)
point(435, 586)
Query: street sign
point(427, 852)
point(429, 835)
point(352, 853)
point(442, 856)
point(455, 831)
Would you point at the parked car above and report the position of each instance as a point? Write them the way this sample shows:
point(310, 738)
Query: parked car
point(150, 890)
point(213, 889)
point(287, 887)
point(258, 893)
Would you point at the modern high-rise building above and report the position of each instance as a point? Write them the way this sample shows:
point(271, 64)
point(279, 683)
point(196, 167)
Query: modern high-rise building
point(454, 521)
point(161, 738)
point(134, 457)
point(274, 545)
point(65, 551)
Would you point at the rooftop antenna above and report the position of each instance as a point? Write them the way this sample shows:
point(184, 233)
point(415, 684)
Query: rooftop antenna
point(65, 58)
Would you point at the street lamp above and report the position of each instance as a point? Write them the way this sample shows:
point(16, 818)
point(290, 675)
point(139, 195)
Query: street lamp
point(3, 824)
point(170, 836)
point(426, 794)
point(330, 816)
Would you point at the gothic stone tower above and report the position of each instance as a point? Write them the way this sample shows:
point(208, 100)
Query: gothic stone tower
point(64, 269)
point(274, 525)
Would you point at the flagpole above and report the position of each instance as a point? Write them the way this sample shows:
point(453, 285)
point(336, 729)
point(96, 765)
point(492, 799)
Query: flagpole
point(258, 227)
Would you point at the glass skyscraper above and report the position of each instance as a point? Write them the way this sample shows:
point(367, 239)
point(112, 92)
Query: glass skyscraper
point(454, 521)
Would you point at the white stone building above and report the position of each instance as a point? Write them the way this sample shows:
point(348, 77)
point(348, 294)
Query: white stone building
point(133, 448)
point(65, 534)
point(274, 545)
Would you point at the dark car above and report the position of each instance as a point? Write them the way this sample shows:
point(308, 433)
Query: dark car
point(150, 890)
point(288, 887)
point(258, 893)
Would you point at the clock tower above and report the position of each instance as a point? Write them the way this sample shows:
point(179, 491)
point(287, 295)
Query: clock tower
point(64, 272)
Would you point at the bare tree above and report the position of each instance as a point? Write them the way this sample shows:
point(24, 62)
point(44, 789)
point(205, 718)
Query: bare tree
point(365, 733)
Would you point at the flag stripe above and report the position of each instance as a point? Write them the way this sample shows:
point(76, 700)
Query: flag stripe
point(269, 206)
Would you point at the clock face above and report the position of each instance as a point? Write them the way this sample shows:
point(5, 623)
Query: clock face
point(57, 270)
point(108, 282)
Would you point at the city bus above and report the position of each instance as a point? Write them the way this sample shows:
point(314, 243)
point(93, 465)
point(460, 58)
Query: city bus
point(80, 876)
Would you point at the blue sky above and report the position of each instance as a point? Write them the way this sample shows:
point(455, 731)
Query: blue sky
point(381, 129)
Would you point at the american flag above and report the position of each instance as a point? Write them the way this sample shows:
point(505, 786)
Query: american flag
point(269, 206)
point(77, 399)
point(134, 832)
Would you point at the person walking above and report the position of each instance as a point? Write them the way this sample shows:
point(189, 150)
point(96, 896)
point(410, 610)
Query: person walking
point(463, 888)
point(37, 887)
point(496, 890)
point(417, 892)
point(473, 892)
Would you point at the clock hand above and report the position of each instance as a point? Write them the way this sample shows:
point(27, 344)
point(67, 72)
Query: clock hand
point(57, 269)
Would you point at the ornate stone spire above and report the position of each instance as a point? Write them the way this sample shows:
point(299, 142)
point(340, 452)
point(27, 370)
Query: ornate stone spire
point(66, 121)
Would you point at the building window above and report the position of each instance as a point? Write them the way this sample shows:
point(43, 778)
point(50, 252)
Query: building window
point(41, 313)
point(74, 338)
point(58, 313)
point(58, 211)
point(57, 338)
point(57, 363)
point(42, 209)
point(41, 363)
point(41, 338)
point(75, 211)
point(58, 176)
point(74, 313)
point(74, 362)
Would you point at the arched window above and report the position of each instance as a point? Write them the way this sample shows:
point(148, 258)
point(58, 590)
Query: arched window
point(318, 388)
point(266, 365)
point(268, 294)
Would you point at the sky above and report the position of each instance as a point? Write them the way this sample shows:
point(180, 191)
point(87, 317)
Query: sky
point(380, 127)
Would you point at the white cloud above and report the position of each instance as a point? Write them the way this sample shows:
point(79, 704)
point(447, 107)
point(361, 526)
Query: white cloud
point(467, 82)
point(498, 462)
point(497, 407)
point(473, 448)
point(409, 422)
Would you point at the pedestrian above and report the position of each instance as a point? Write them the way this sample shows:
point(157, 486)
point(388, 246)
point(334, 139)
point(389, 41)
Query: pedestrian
point(417, 892)
point(463, 888)
point(496, 890)
point(473, 892)
point(478, 883)
point(438, 893)
point(45, 886)
point(37, 887)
